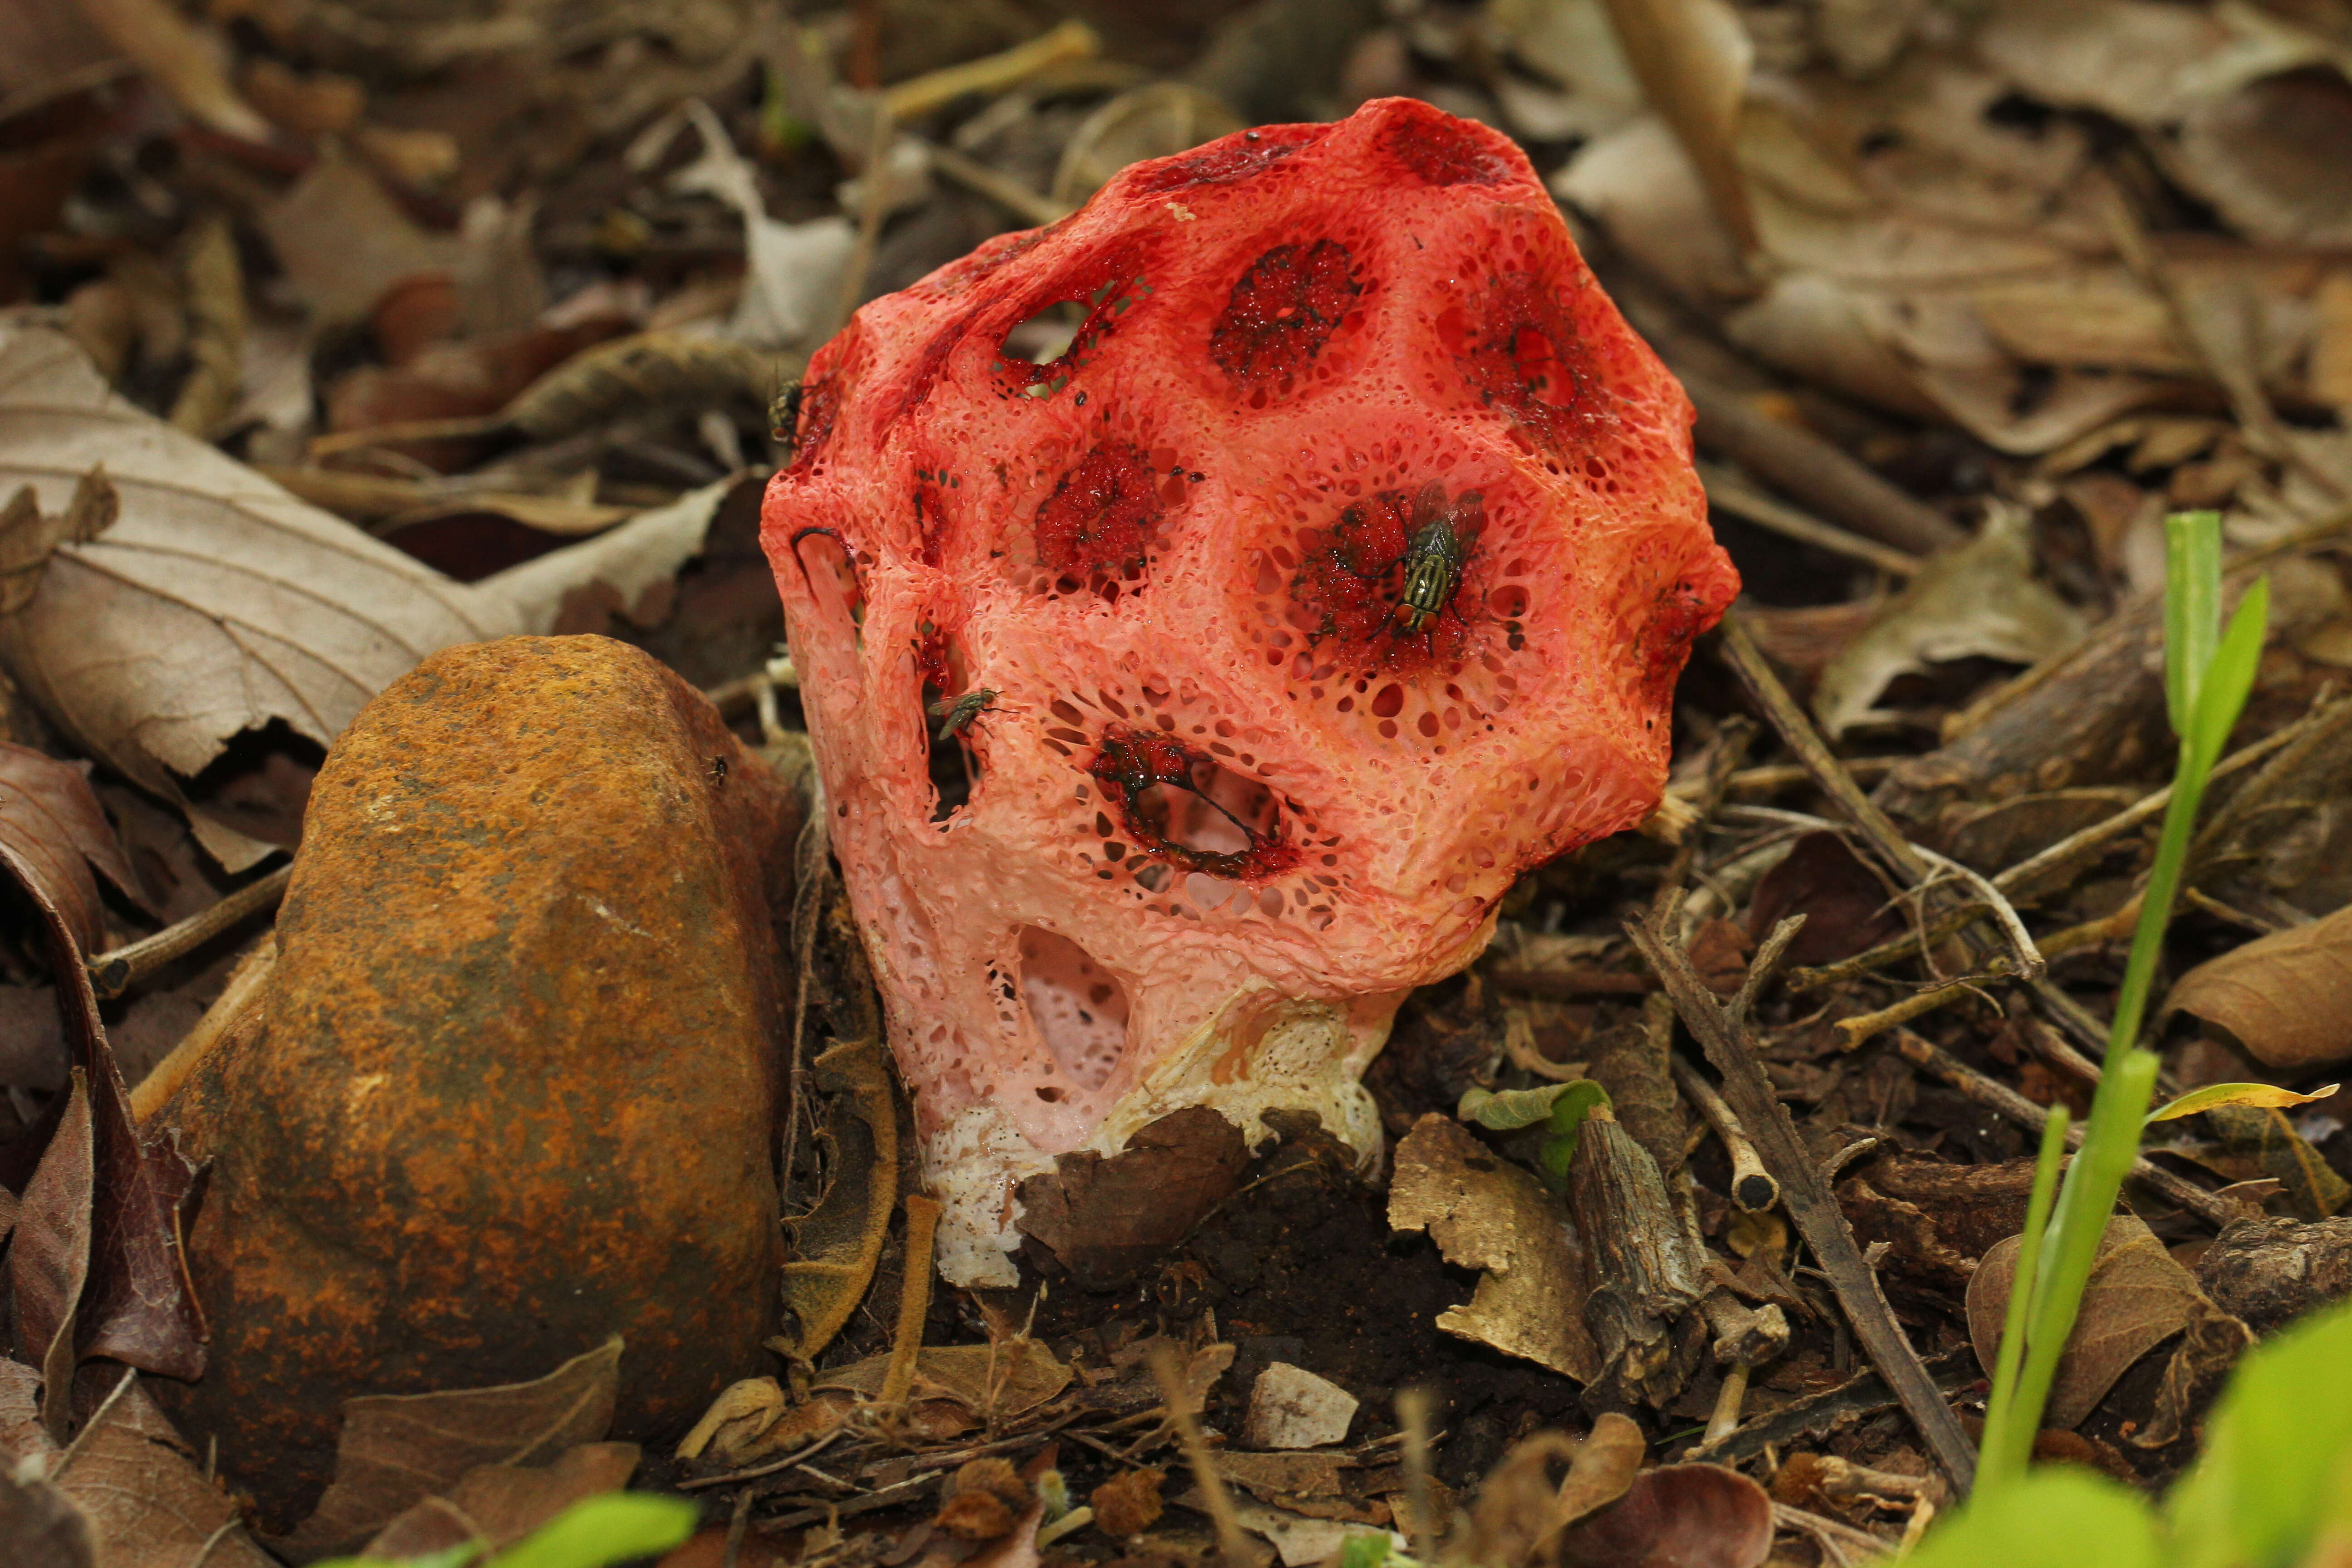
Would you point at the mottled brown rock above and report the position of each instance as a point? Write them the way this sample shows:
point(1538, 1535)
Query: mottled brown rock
point(2271, 1271)
point(512, 1087)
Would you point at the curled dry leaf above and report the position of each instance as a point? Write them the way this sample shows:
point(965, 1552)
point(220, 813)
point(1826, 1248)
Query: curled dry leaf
point(1677, 1516)
point(55, 833)
point(97, 1265)
point(214, 603)
point(2139, 1296)
point(1485, 1213)
point(2261, 1096)
point(397, 1449)
point(2287, 996)
point(1981, 600)
point(836, 1244)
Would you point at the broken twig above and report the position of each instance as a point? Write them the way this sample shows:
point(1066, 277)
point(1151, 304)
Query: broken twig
point(1819, 1220)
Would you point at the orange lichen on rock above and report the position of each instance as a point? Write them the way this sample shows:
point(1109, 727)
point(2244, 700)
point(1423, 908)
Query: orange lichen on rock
point(510, 1089)
point(1338, 570)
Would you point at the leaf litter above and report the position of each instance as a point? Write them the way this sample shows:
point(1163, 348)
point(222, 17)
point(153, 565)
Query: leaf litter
point(2015, 282)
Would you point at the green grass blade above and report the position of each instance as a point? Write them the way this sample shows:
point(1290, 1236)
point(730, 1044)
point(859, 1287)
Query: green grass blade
point(2009, 1442)
point(604, 1530)
point(2229, 676)
point(2085, 1200)
point(2192, 608)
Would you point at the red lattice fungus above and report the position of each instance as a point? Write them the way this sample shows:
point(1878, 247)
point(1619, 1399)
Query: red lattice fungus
point(1337, 572)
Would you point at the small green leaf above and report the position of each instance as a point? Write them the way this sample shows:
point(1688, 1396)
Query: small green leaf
point(1366, 1549)
point(1515, 1108)
point(447, 1557)
point(1567, 1126)
point(2059, 1517)
point(2266, 1095)
point(601, 1531)
point(2274, 1449)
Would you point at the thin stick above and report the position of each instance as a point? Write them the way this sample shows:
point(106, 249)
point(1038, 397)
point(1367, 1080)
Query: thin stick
point(2212, 1207)
point(1770, 778)
point(1231, 1545)
point(1001, 188)
point(1748, 662)
point(242, 994)
point(1413, 1415)
point(115, 971)
point(914, 1300)
point(1752, 1186)
point(1805, 1195)
point(1725, 489)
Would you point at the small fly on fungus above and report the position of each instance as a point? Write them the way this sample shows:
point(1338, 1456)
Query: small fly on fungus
point(961, 711)
point(784, 413)
point(1433, 559)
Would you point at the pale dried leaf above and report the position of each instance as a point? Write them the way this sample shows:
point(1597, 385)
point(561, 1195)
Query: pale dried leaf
point(1003, 1380)
point(217, 603)
point(1487, 1214)
point(2287, 996)
point(397, 1449)
point(136, 1481)
point(1981, 600)
point(794, 270)
point(2138, 1296)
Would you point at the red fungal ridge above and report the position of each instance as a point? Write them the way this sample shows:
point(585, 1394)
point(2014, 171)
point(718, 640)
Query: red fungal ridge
point(1249, 772)
point(1234, 158)
point(1441, 151)
point(1522, 354)
point(1350, 586)
point(1132, 761)
point(1110, 291)
point(1282, 311)
point(820, 403)
point(1100, 516)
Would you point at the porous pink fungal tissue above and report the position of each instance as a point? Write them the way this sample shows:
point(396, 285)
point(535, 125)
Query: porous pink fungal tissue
point(1184, 700)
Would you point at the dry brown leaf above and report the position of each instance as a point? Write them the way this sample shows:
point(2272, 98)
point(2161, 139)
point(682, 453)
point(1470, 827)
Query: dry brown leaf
point(398, 1449)
point(1677, 1516)
point(836, 1244)
point(501, 1504)
point(1003, 1380)
point(2138, 1296)
point(1487, 1214)
point(2250, 1144)
point(187, 63)
point(1981, 600)
point(136, 1481)
point(215, 602)
point(1603, 1466)
point(2287, 996)
point(55, 833)
point(1104, 1219)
